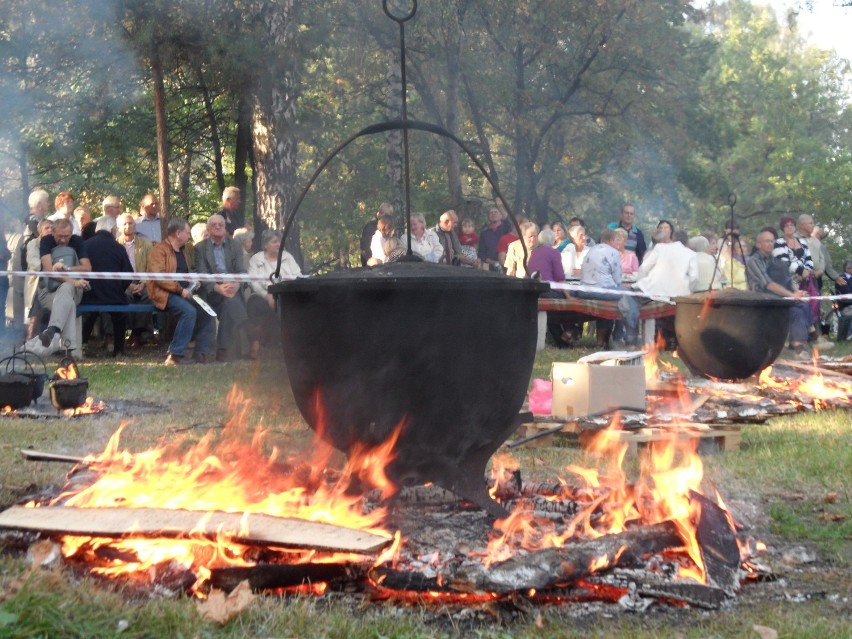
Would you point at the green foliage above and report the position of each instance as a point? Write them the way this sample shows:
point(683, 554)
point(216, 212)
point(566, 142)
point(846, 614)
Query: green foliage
point(577, 107)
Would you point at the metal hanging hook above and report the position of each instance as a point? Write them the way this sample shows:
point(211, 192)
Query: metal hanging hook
point(398, 19)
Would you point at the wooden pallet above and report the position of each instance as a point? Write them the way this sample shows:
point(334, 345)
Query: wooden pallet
point(712, 437)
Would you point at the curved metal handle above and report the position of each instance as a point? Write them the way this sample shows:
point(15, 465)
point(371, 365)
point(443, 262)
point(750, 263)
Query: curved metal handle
point(382, 127)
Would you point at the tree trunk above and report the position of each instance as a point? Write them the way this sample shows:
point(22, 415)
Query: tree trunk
point(274, 114)
point(214, 133)
point(241, 160)
point(162, 141)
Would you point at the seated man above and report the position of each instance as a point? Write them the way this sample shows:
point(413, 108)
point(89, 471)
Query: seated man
point(768, 274)
point(602, 268)
point(176, 297)
point(61, 252)
point(384, 231)
point(107, 255)
point(221, 254)
point(138, 249)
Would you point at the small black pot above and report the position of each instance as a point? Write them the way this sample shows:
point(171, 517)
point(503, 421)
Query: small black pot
point(68, 393)
point(16, 390)
point(731, 334)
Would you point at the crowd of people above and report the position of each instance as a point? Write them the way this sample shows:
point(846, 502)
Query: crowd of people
point(224, 321)
point(795, 264)
point(229, 320)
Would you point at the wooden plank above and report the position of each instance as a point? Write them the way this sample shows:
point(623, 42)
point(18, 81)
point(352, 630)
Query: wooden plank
point(37, 455)
point(810, 368)
point(263, 530)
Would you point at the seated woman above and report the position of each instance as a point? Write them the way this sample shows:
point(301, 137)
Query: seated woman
point(260, 306)
point(394, 250)
point(575, 252)
point(424, 242)
point(629, 261)
point(797, 255)
point(546, 263)
point(561, 239)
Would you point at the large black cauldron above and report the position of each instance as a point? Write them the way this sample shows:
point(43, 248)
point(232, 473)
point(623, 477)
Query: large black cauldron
point(444, 352)
point(731, 334)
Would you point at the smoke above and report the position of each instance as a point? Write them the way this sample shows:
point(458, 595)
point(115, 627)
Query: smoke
point(65, 69)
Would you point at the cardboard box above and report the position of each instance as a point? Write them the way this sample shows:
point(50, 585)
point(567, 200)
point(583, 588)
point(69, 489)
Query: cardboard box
point(582, 389)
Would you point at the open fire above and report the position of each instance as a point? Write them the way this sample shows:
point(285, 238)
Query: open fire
point(231, 475)
point(582, 532)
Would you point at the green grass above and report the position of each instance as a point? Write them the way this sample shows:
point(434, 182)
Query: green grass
point(791, 478)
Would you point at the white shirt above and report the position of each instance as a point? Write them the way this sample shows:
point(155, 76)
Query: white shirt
point(668, 270)
point(428, 246)
point(377, 246)
point(571, 260)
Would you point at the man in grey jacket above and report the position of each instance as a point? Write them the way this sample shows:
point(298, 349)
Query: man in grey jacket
point(221, 254)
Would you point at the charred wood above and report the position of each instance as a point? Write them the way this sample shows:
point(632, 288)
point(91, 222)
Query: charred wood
point(544, 568)
point(272, 576)
point(408, 580)
point(717, 541)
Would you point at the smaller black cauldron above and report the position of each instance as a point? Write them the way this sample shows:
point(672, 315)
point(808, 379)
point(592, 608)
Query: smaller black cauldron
point(731, 334)
point(16, 390)
point(68, 392)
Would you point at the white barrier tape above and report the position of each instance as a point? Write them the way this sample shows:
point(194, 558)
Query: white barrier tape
point(565, 286)
point(245, 277)
point(160, 277)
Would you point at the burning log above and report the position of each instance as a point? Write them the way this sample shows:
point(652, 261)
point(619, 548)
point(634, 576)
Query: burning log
point(717, 541)
point(545, 568)
point(272, 576)
point(407, 580)
point(162, 523)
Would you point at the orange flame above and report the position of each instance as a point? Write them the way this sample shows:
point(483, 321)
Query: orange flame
point(67, 372)
point(223, 473)
point(668, 472)
point(822, 391)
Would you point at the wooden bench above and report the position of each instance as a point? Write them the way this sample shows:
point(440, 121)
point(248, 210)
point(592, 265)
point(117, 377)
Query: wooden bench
point(576, 309)
point(115, 308)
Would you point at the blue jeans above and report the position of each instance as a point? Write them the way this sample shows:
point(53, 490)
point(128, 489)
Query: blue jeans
point(800, 320)
point(627, 305)
point(189, 317)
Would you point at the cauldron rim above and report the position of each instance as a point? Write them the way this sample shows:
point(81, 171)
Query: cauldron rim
point(734, 297)
point(411, 275)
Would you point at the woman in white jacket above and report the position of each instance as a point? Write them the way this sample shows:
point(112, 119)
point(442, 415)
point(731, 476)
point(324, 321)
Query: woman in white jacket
point(260, 305)
point(424, 242)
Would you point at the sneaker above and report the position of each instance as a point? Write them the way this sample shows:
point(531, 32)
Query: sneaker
point(47, 335)
point(37, 346)
point(177, 360)
point(823, 344)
